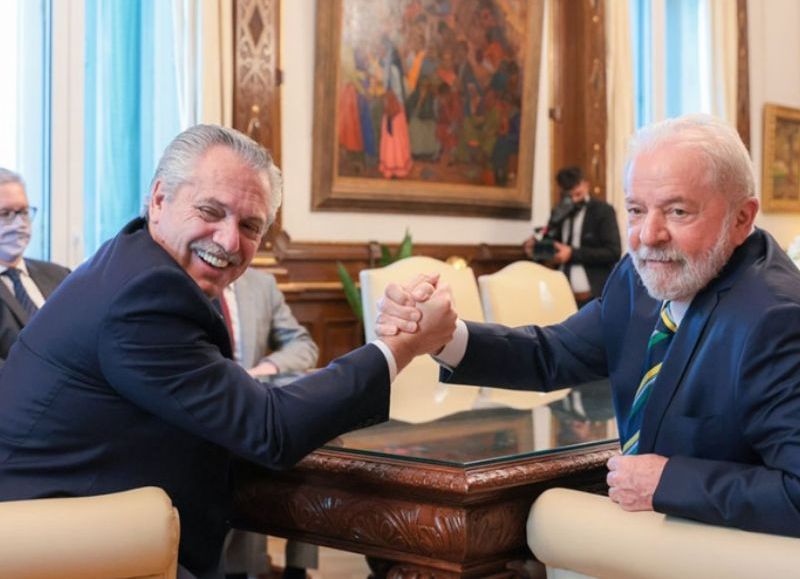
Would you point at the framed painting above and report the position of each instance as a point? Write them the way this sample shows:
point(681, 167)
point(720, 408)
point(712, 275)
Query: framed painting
point(780, 181)
point(426, 106)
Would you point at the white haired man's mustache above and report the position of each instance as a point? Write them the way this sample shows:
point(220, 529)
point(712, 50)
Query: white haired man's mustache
point(216, 250)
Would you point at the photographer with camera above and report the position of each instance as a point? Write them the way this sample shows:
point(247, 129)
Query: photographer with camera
point(581, 238)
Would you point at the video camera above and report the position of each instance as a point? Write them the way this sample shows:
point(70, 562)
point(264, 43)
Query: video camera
point(544, 249)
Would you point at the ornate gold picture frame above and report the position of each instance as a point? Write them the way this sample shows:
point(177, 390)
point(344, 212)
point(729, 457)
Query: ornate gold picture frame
point(780, 182)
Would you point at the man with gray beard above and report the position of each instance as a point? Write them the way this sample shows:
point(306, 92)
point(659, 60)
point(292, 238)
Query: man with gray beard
point(698, 329)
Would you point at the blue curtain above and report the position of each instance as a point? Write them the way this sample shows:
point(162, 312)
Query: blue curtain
point(130, 109)
point(683, 26)
point(683, 54)
point(642, 60)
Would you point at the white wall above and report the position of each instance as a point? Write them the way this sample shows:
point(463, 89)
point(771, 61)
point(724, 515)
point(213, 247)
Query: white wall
point(774, 78)
point(302, 224)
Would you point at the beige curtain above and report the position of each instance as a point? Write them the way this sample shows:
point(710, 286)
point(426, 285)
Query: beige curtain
point(217, 54)
point(621, 116)
point(203, 33)
point(724, 47)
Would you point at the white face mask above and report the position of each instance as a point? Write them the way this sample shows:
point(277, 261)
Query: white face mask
point(14, 239)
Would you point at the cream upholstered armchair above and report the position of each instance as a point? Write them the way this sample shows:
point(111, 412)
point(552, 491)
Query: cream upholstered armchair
point(131, 534)
point(417, 395)
point(577, 534)
point(524, 293)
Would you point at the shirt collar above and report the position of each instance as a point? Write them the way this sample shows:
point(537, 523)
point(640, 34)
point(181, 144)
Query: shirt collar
point(21, 266)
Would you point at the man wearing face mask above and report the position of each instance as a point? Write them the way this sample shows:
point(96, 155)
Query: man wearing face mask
point(587, 243)
point(26, 283)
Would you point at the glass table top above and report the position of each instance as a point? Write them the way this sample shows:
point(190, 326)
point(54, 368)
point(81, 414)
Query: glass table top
point(500, 425)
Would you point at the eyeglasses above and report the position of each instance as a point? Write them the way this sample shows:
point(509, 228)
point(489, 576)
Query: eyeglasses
point(8, 216)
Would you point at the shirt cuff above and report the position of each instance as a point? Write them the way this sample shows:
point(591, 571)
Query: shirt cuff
point(453, 352)
point(390, 361)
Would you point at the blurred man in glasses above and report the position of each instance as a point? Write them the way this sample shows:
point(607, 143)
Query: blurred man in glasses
point(26, 283)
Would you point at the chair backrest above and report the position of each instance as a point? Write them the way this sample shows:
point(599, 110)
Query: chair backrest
point(131, 534)
point(417, 395)
point(525, 293)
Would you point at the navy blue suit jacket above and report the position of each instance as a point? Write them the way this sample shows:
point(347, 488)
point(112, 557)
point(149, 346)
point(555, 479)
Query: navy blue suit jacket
point(726, 406)
point(123, 379)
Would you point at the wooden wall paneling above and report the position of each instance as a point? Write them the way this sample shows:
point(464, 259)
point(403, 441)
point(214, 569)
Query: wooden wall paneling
point(578, 76)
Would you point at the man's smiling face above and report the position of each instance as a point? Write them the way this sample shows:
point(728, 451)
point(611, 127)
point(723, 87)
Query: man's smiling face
point(212, 225)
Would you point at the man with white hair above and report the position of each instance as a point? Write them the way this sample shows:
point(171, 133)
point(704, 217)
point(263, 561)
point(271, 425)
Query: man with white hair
point(698, 329)
point(26, 283)
point(125, 379)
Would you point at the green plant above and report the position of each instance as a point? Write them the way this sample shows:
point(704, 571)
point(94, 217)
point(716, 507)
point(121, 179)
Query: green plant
point(351, 291)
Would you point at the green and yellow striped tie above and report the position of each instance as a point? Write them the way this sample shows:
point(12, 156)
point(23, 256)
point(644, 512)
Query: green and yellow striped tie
point(656, 351)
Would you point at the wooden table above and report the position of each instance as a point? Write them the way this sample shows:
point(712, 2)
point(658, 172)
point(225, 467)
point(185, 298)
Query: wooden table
point(448, 498)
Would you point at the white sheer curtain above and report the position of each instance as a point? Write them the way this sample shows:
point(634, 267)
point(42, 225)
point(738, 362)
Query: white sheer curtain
point(724, 59)
point(204, 60)
point(620, 97)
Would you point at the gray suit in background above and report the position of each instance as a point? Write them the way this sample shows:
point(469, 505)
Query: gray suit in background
point(266, 324)
point(268, 332)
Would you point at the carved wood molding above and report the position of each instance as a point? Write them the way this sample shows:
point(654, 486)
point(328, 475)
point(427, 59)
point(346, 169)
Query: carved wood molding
point(256, 99)
point(316, 261)
point(438, 478)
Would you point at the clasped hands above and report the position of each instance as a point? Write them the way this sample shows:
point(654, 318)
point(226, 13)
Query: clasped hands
point(416, 318)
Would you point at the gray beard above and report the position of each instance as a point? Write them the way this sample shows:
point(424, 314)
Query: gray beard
point(694, 275)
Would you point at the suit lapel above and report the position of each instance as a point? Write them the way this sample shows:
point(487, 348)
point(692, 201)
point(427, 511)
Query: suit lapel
point(13, 305)
point(46, 283)
point(588, 219)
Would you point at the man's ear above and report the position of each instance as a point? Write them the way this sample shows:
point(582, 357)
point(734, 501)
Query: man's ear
point(156, 204)
point(744, 218)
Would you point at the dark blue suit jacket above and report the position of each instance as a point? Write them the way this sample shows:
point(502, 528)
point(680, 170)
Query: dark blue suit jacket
point(726, 407)
point(123, 379)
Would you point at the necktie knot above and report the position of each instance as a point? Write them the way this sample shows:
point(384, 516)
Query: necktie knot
point(20, 292)
point(13, 273)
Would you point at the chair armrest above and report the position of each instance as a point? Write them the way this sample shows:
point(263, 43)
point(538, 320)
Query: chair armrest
point(589, 534)
point(127, 534)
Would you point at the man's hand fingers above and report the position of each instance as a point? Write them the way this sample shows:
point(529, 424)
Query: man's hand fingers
point(396, 303)
point(386, 325)
point(384, 330)
point(398, 294)
point(422, 286)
